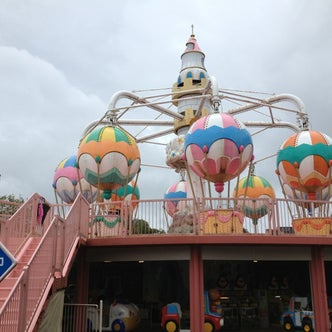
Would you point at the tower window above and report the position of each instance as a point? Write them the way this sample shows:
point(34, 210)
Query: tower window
point(179, 82)
point(189, 74)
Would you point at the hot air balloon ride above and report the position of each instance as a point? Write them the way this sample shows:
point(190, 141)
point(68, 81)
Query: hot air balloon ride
point(254, 193)
point(179, 208)
point(88, 191)
point(304, 168)
point(68, 182)
point(218, 148)
point(108, 158)
point(120, 206)
point(65, 180)
point(128, 193)
point(322, 195)
point(176, 196)
point(175, 153)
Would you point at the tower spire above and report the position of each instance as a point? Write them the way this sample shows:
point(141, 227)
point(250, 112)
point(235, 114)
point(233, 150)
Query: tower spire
point(192, 31)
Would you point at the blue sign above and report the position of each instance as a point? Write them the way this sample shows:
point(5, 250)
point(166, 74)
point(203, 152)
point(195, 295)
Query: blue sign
point(7, 261)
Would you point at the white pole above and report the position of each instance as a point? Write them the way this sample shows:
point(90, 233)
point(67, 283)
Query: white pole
point(100, 329)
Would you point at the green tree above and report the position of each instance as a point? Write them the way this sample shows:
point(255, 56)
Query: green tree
point(8, 206)
point(141, 226)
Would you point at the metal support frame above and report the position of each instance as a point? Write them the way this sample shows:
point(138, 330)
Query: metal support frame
point(114, 114)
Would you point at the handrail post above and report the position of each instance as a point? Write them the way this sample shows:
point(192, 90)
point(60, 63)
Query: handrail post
point(4, 237)
point(33, 220)
point(271, 215)
point(55, 246)
point(101, 308)
point(22, 314)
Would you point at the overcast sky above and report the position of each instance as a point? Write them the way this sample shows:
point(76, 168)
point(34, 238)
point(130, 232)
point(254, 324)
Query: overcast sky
point(62, 60)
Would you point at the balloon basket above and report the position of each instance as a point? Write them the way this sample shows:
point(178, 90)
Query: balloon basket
point(221, 222)
point(312, 226)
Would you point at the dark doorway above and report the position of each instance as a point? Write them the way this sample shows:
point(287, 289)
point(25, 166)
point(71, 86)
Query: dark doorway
point(253, 295)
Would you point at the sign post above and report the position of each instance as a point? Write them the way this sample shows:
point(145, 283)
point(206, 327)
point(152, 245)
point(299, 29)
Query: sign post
point(7, 261)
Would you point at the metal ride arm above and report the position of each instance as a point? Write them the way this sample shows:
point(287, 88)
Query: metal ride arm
point(112, 116)
point(302, 116)
point(129, 95)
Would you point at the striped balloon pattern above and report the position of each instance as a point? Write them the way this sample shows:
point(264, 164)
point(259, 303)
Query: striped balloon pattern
point(304, 199)
point(108, 158)
point(173, 195)
point(218, 148)
point(256, 192)
point(129, 192)
point(304, 163)
point(68, 181)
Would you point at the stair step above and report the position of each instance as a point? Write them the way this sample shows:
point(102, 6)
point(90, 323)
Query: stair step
point(8, 282)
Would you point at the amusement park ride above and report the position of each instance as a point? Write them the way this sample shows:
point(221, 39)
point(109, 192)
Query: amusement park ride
point(209, 135)
point(208, 141)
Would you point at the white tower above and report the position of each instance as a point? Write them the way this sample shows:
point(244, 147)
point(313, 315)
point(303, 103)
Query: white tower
point(193, 81)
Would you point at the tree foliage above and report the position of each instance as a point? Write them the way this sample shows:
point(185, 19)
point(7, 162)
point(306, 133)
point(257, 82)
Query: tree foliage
point(8, 205)
point(141, 226)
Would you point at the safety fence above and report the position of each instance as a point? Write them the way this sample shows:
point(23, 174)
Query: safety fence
point(268, 216)
point(23, 223)
point(82, 317)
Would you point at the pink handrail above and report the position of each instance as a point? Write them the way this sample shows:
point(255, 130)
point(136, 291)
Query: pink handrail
point(24, 304)
point(22, 224)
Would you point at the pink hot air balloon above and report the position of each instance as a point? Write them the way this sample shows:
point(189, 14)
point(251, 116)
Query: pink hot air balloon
point(174, 194)
point(218, 148)
point(68, 182)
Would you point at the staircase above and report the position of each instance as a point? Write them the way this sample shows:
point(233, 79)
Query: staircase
point(22, 260)
point(41, 262)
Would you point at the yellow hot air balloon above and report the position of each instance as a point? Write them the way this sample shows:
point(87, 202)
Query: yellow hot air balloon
point(108, 158)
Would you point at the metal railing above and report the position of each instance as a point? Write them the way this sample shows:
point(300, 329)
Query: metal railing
point(54, 252)
point(82, 317)
point(209, 216)
point(22, 224)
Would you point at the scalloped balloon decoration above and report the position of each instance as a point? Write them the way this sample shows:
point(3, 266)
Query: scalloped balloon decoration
point(218, 148)
point(304, 162)
point(108, 158)
point(255, 193)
